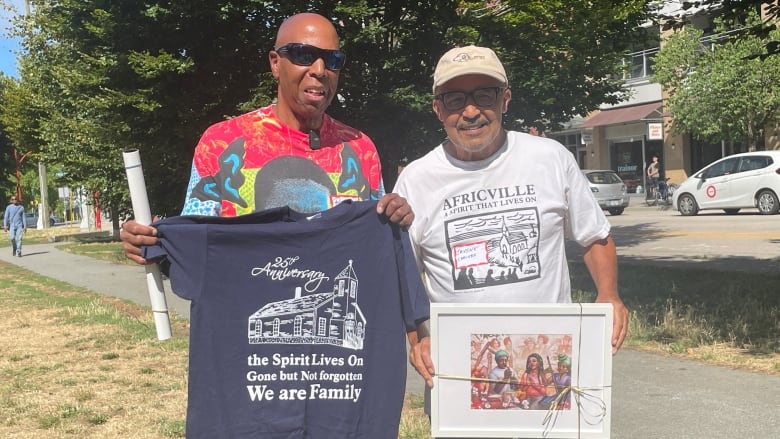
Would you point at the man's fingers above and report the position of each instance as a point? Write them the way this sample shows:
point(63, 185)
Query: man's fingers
point(422, 364)
point(619, 326)
point(396, 208)
point(134, 236)
point(402, 217)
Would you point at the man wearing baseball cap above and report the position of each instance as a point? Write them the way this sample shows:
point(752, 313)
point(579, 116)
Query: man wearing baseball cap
point(499, 202)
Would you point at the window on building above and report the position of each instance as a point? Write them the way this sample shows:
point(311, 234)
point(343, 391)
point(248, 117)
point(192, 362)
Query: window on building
point(321, 326)
point(572, 142)
point(639, 65)
point(298, 326)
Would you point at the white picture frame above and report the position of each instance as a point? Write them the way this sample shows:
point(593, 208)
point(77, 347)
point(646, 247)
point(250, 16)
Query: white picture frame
point(464, 336)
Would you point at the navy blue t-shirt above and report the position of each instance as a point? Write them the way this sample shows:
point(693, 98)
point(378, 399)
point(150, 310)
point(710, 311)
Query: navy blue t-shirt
point(298, 322)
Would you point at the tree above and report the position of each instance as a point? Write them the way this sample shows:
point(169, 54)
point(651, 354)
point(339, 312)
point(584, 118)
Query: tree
point(7, 162)
point(563, 57)
point(717, 91)
point(732, 11)
point(99, 77)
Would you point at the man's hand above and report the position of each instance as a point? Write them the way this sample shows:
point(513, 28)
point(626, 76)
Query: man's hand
point(420, 354)
point(133, 236)
point(620, 320)
point(601, 260)
point(396, 208)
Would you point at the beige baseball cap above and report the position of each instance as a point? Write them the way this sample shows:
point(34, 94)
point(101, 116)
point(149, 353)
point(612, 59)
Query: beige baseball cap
point(469, 60)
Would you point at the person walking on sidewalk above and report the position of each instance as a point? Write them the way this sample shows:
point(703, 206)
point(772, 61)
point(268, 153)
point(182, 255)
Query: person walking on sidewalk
point(14, 223)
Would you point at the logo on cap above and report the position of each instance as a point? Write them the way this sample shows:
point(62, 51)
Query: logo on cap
point(465, 57)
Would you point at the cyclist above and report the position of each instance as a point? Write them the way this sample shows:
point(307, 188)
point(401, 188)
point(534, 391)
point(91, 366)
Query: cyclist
point(653, 173)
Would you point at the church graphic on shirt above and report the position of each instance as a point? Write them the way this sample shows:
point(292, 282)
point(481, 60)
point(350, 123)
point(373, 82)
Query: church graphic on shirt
point(332, 318)
point(494, 248)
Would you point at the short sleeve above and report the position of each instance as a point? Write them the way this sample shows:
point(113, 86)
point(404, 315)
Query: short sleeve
point(183, 246)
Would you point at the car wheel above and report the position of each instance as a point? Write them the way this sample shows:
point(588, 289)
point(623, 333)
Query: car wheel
point(767, 202)
point(687, 206)
point(616, 211)
point(731, 211)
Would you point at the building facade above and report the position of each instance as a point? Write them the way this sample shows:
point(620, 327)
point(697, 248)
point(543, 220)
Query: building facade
point(626, 136)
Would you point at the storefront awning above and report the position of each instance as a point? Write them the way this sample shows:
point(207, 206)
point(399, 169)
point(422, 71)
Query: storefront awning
point(634, 113)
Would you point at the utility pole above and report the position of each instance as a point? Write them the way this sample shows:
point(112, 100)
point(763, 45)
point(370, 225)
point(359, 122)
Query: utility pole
point(43, 214)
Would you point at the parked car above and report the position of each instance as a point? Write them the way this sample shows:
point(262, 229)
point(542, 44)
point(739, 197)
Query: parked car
point(32, 219)
point(739, 181)
point(631, 184)
point(609, 190)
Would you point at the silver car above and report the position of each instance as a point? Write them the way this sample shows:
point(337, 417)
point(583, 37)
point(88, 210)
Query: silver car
point(609, 190)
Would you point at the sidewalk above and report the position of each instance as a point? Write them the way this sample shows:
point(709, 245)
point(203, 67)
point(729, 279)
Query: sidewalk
point(652, 396)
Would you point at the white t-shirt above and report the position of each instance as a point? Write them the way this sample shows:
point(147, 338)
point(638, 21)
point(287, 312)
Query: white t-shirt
point(493, 230)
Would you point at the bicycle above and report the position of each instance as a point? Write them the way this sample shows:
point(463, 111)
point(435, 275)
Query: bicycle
point(660, 194)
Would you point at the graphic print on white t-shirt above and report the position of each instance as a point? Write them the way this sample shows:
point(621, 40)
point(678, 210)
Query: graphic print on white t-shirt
point(494, 248)
point(332, 317)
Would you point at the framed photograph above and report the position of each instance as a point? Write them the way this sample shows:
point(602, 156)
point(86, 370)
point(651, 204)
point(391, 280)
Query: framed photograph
point(521, 370)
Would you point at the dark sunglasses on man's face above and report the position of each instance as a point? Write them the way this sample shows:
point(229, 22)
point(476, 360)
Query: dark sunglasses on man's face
point(306, 55)
point(457, 100)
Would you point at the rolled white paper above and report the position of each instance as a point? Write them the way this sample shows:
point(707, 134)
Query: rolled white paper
point(143, 215)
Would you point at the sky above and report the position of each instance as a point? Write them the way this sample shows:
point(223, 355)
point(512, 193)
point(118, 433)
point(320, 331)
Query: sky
point(7, 45)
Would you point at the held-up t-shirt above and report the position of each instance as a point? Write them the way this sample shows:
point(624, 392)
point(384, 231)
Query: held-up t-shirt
point(298, 322)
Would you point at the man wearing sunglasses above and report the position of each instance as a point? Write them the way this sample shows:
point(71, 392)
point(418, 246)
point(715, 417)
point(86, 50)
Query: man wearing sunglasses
point(289, 153)
point(498, 204)
point(14, 223)
point(248, 324)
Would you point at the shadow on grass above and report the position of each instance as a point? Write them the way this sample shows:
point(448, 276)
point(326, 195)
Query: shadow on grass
point(689, 303)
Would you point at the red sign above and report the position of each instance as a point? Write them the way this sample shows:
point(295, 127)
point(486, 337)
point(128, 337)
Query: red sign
point(711, 191)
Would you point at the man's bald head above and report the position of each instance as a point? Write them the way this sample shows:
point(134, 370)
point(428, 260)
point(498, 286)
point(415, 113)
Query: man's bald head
point(305, 27)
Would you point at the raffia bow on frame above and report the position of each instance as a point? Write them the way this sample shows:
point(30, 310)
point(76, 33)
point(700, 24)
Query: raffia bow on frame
point(591, 408)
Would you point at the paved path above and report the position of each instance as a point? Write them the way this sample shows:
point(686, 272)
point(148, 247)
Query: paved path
point(653, 396)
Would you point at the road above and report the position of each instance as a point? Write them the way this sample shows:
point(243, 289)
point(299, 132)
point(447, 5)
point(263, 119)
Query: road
point(747, 241)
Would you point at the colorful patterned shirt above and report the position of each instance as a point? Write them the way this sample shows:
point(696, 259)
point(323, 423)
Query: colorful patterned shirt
point(255, 162)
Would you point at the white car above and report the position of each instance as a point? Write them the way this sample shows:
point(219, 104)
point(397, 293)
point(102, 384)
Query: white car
point(739, 181)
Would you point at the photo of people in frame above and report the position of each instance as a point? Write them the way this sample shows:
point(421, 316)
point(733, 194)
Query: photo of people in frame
point(521, 371)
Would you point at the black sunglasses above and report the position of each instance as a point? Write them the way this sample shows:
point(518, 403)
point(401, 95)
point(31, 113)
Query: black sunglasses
point(306, 55)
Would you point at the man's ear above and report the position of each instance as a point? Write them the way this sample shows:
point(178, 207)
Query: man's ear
point(507, 98)
point(435, 105)
point(273, 59)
